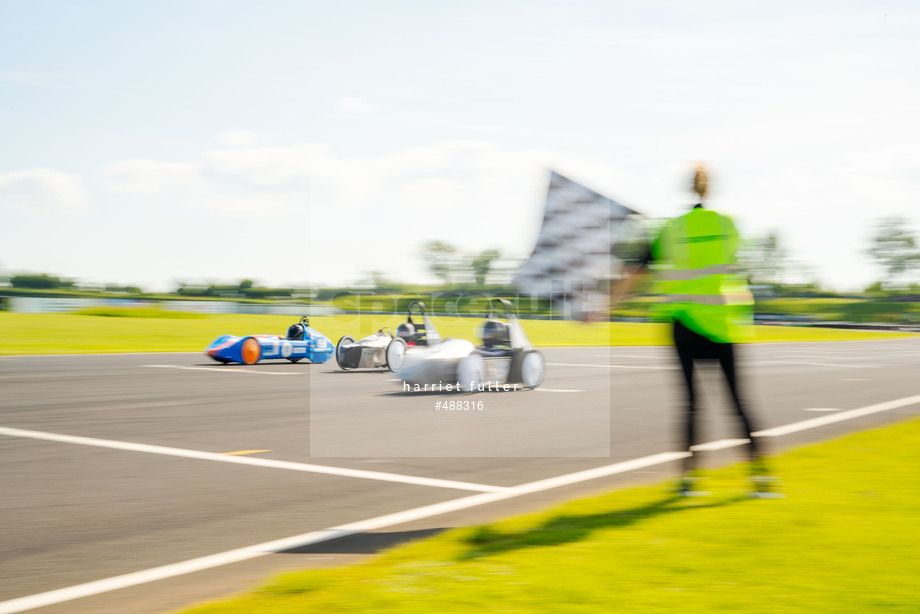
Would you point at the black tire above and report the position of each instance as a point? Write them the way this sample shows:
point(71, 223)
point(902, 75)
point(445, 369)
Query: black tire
point(339, 355)
point(296, 360)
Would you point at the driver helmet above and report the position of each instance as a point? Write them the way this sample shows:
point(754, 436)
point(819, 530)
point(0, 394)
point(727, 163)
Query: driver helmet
point(495, 332)
point(406, 332)
point(295, 331)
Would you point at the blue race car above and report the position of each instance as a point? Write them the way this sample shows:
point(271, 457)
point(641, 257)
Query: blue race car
point(301, 342)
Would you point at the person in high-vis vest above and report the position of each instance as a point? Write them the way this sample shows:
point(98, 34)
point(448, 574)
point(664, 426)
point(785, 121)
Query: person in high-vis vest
point(710, 309)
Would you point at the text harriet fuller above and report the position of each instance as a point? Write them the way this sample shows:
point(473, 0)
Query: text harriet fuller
point(473, 386)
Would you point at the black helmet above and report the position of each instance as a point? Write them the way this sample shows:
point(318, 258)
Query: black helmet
point(495, 332)
point(296, 331)
point(406, 331)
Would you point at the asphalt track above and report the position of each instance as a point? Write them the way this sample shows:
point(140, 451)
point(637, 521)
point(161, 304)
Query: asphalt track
point(118, 464)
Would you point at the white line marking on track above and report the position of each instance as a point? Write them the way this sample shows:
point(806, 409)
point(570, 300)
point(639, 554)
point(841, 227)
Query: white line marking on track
point(834, 364)
point(539, 389)
point(913, 336)
point(297, 541)
point(721, 444)
point(224, 370)
point(575, 364)
point(787, 363)
point(795, 427)
point(232, 556)
point(248, 460)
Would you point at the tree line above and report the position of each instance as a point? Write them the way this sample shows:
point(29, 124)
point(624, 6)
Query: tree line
point(763, 259)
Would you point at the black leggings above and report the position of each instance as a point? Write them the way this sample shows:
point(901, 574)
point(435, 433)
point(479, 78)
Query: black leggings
point(692, 347)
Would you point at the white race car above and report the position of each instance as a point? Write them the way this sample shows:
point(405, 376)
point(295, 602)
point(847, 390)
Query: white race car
point(385, 350)
point(366, 353)
point(412, 337)
point(506, 360)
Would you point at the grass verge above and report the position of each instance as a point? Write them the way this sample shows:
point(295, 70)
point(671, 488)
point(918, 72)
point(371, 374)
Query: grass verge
point(139, 312)
point(32, 333)
point(844, 540)
point(845, 310)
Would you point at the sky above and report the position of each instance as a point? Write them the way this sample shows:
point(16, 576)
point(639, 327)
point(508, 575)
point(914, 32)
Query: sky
point(306, 142)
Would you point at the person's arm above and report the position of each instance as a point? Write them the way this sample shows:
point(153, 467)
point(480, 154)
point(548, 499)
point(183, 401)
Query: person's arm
point(620, 289)
point(625, 286)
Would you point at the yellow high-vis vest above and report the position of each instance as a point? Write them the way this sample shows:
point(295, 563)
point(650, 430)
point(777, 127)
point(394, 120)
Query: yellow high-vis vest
point(695, 254)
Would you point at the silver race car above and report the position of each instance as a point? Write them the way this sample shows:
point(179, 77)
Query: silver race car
point(367, 353)
point(506, 360)
point(412, 337)
point(385, 350)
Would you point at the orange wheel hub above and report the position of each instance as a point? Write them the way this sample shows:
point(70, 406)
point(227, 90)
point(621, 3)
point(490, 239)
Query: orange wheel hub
point(252, 352)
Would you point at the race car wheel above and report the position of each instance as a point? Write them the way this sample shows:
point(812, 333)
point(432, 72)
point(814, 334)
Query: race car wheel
point(340, 351)
point(251, 351)
point(396, 354)
point(533, 369)
point(471, 372)
point(296, 359)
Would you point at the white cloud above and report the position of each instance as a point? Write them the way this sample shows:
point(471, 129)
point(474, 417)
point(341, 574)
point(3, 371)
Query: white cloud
point(355, 105)
point(237, 138)
point(478, 194)
point(42, 189)
point(51, 80)
point(274, 179)
point(151, 177)
point(269, 166)
point(474, 194)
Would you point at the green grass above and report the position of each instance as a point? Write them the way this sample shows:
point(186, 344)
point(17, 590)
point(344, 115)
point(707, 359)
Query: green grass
point(825, 309)
point(30, 333)
point(845, 310)
point(845, 540)
point(139, 312)
point(96, 294)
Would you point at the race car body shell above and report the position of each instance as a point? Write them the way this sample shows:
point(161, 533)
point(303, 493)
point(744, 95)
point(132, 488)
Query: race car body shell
point(366, 353)
point(436, 363)
point(383, 349)
point(251, 349)
point(512, 361)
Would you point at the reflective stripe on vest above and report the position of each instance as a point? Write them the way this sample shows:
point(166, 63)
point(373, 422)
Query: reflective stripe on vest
point(734, 298)
point(692, 274)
